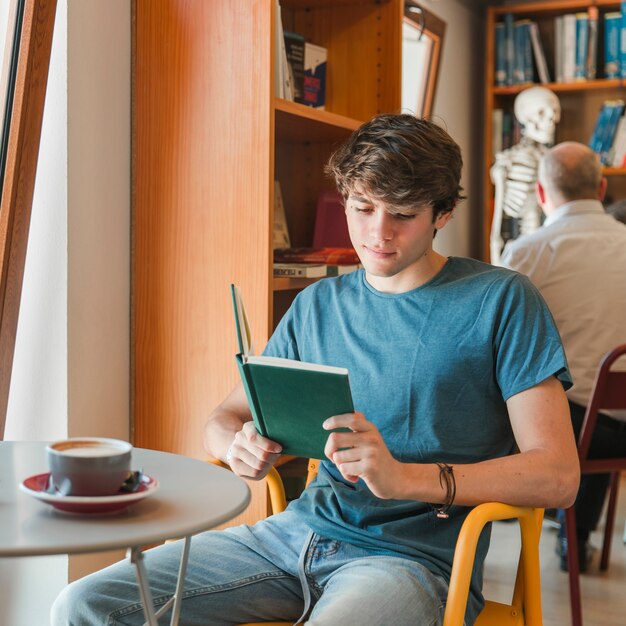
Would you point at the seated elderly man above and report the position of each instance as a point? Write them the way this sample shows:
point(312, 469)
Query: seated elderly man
point(577, 260)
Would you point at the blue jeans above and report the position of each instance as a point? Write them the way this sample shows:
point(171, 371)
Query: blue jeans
point(275, 570)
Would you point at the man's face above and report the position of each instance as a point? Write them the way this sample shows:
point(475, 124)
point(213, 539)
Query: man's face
point(390, 245)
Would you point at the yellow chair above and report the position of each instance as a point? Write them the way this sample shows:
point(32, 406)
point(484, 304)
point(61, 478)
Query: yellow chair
point(525, 606)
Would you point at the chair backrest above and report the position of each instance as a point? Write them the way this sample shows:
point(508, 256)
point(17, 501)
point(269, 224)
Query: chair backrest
point(525, 606)
point(609, 393)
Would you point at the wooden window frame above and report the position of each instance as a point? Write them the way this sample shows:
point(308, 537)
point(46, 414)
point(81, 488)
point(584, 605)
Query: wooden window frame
point(435, 28)
point(24, 134)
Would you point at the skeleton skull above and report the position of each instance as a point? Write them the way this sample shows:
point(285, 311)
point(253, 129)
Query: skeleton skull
point(539, 110)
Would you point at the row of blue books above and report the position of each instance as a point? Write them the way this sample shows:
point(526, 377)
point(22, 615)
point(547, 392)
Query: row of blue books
point(615, 43)
point(576, 46)
point(520, 56)
point(514, 51)
point(609, 134)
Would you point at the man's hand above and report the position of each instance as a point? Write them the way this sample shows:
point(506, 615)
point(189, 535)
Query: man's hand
point(362, 453)
point(252, 455)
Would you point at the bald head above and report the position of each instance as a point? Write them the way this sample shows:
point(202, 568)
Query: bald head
point(570, 171)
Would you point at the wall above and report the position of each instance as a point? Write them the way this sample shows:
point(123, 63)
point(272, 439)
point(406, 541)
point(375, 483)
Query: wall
point(71, 367)
point(458, 105)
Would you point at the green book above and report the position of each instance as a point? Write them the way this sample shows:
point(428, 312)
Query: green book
point(289, 400)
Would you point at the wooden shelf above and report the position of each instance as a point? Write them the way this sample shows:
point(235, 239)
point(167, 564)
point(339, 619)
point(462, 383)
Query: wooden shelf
point(587, 85)
point(285, 284)
point(614, 171)
point(297, 123)
point(307, 5)
point(556, 7)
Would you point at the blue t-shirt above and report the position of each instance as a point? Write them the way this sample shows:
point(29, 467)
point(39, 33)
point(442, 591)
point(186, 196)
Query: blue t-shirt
point(432, 368)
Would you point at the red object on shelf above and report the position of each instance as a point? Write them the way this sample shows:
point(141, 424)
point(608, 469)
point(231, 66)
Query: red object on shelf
point(329, 256)
point(331, 227)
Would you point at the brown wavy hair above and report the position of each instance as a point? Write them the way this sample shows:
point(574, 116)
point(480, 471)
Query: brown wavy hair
point(402, 160)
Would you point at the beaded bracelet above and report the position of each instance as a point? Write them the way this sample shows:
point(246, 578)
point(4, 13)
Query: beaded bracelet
point(446, 475)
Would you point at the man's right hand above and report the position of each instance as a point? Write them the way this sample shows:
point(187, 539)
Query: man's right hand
point(251, 455)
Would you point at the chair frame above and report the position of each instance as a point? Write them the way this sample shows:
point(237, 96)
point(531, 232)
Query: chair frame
point(525, 607)
point(609, 392)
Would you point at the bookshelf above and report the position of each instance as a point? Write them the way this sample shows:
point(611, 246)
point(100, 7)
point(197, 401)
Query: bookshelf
point(580, 101)
point(209, 139)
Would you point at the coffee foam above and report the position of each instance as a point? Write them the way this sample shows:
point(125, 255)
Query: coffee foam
point(88, 448)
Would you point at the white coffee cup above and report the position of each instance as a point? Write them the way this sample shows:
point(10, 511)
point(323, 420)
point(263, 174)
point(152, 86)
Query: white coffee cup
point(89, 466)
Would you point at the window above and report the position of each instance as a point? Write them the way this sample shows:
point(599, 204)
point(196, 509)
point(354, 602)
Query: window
point(422, 41)
point(27, 26)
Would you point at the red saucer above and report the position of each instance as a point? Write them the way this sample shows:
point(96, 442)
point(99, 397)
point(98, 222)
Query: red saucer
point(97, 505)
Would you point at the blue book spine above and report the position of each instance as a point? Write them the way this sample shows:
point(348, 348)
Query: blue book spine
point(612, 23)
point(529, 73)
point(595, 141)
point(582, 41)
point(509, 47)
point(615, 112)
point(622, 41)
point(500, 46)
point(592, 47)
point(518, 53)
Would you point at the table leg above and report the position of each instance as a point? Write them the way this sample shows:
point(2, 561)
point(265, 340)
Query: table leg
point(181, 582)
point(136, 557)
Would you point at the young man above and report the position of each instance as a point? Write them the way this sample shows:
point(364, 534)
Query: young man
point(577, 260)
point(453, 365)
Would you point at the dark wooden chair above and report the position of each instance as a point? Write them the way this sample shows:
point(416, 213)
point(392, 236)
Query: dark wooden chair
point(609, 392)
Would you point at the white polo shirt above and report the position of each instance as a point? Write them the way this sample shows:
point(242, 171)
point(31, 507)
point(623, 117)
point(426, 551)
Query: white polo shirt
point(577, 260)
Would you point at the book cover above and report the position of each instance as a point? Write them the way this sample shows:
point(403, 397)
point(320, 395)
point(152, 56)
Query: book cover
point(497, 118)
point(284, 69)
point(539, 53)
point(595, 142)
point(331, 227)
point(612, 23)
point(289, 400)
point(558, 49)
point(616, 109)
point(328, 256)
point(507, 129)
point(619, 144)
point(592, 47)
point(314, 75)
point(519, 57)
point(582, 41)
point(294, 48)
point(281, 230)
point(527, 52)
point(500, 54)
point(569, 47)
point(279, 85)
point(622, 41)
point(300, 270)
point(509, 41)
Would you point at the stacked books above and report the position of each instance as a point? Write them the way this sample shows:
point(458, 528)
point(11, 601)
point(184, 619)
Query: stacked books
point(300, 67)
point(314, 262)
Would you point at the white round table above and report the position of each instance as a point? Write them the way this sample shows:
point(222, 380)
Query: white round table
point(193, 496)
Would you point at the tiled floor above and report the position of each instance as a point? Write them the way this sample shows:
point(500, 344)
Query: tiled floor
point(603, 593)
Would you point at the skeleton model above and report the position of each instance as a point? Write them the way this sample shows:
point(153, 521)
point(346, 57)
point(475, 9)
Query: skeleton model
point(514, 172)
